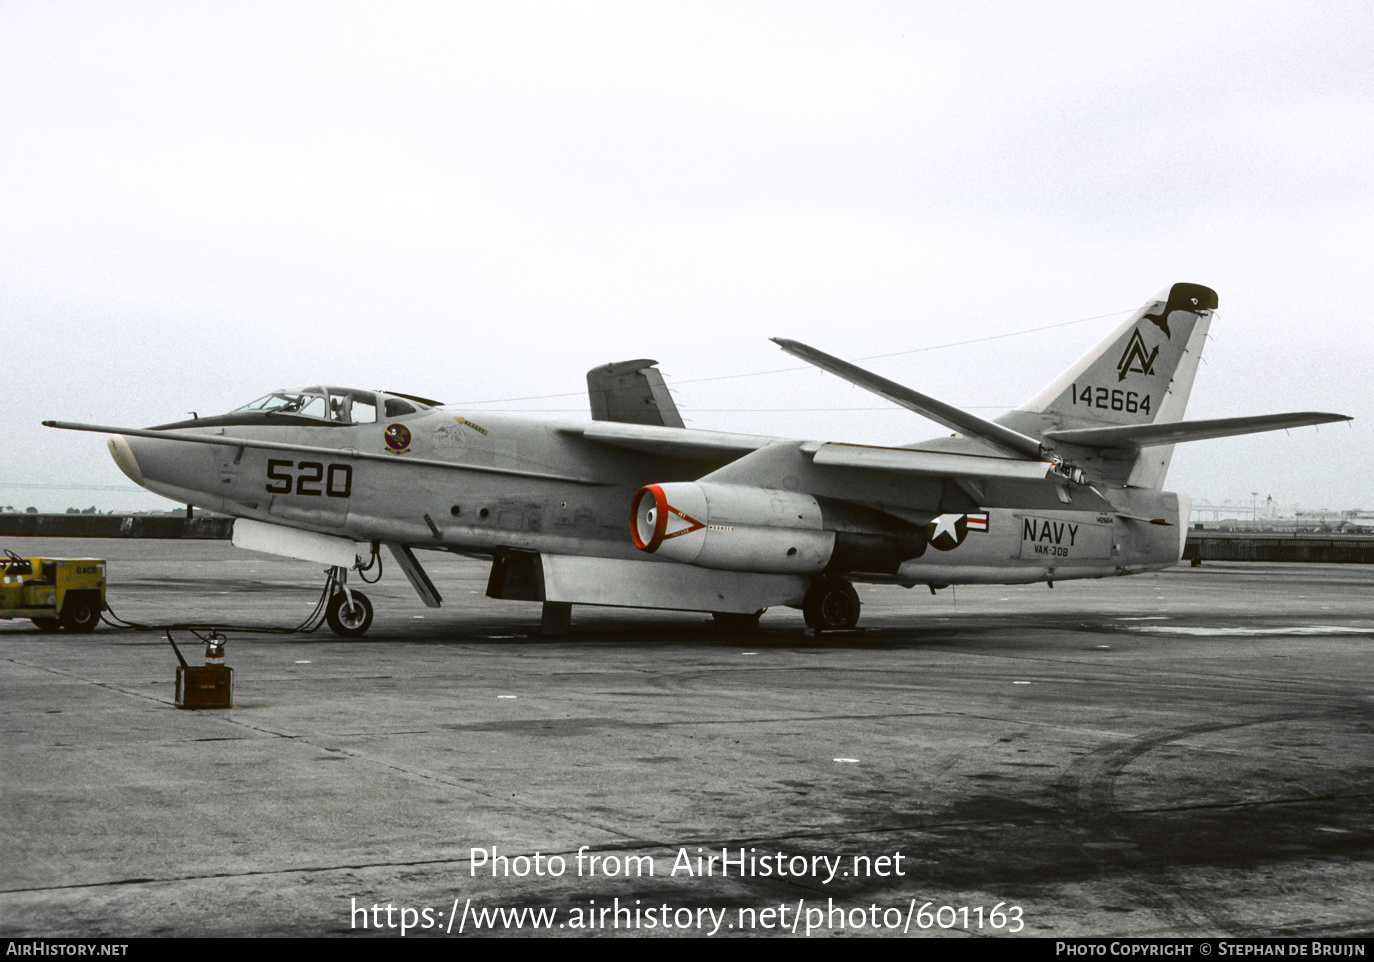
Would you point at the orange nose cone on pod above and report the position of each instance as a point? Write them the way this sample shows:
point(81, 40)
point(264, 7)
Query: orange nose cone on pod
point(648, 517)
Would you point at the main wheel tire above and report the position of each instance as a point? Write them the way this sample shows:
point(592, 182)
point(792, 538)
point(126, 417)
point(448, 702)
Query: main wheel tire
point(349, 621)
point(47, 625)
point(831, 604)
point(80, 613)
point(738, 624)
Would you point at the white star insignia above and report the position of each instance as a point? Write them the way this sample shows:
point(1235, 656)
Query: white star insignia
point(945, 523)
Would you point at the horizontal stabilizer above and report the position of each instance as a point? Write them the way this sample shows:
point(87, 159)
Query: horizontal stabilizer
point(935, 464)
point(1135, 517)
point(950, 416)
point(1144, 435)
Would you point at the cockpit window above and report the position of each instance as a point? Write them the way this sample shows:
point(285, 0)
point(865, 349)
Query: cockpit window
point(337, 404)
point(396, 407)
point(309, 405)
point(364, 411)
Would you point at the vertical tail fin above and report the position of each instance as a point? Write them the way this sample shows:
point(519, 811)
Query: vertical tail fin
point(1140, 374)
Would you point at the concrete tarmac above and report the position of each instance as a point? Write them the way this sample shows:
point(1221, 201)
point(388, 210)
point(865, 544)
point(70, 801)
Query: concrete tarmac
point(1186, 753)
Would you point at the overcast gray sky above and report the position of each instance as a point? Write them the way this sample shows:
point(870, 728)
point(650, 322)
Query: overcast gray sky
point(203, 202)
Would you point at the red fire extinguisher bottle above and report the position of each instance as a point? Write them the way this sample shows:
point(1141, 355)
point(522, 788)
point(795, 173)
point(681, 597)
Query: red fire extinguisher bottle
point(214, 650)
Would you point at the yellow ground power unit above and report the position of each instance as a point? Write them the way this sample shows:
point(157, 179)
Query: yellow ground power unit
point(53, 593)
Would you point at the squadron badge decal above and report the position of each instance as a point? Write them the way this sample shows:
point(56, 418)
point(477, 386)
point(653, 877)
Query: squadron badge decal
point(397, 438)
point(948, 531)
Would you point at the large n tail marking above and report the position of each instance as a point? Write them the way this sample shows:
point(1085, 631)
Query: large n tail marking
point(1135, 354)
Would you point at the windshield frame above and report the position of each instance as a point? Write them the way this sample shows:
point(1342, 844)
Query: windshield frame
point(328, 405)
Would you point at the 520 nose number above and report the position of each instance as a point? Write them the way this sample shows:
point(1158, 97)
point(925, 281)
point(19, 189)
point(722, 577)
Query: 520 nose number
point(310, 478)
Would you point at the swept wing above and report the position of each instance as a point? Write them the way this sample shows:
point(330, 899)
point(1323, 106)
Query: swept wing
point(670, 442)
point(934, 464)
point(938, 411)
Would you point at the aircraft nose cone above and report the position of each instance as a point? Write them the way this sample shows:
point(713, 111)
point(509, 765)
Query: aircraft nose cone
point(124, 457)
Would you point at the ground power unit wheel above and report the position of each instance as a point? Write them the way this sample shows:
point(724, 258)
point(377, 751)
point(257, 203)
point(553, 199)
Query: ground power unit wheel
point(79, 613)
point(349, 620)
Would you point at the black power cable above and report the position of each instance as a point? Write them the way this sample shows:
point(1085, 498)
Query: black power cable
point(310, 624)
point(376, 559)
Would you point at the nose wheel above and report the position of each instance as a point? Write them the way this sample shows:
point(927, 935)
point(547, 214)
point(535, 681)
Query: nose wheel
point(831, 604)
point(349, 613)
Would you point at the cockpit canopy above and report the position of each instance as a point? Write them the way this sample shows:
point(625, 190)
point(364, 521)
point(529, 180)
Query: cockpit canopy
point(315, 407)
point(339, 405)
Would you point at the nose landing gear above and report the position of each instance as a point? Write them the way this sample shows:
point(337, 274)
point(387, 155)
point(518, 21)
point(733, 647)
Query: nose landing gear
point(831, 604)
point(349, 612)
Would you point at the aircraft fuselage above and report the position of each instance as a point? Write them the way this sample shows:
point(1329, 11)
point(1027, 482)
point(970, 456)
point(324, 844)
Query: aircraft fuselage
point(517, 484)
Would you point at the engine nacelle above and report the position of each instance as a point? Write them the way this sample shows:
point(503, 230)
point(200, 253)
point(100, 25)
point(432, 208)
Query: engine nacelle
point(732, 527)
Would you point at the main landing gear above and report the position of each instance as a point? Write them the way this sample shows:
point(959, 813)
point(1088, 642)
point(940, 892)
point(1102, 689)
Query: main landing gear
point(349, 612)
point(831, 604)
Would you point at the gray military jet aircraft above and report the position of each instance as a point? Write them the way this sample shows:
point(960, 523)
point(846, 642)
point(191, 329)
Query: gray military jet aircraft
point(1068, 485)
